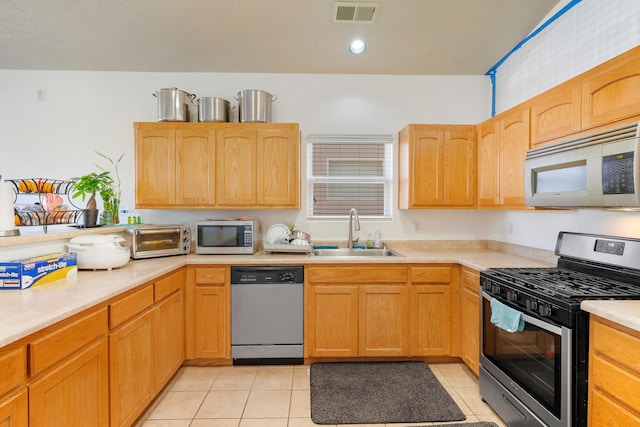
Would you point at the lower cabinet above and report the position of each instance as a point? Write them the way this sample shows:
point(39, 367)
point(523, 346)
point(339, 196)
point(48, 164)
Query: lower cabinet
point(431, 318)
point(75, 392)
point(614, 375)
point(14, 406)
point(146, 345)
point(208, 302)
point(470, 319)
point(356, 311)
point(14, 409)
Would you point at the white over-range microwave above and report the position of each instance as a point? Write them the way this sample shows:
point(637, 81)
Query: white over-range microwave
point(219, 237)
point(598, 170)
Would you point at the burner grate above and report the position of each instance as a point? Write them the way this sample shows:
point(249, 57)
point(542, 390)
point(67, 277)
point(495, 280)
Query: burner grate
point(565, 283)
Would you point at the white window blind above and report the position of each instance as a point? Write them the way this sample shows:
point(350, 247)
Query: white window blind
point(349, 171)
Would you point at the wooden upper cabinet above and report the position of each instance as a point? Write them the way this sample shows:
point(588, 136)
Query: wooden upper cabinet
point(489, 163)
point(217, 165)
point(195, 166)
point(502, 147)
point(236, 168)
point(278, 167)
point(436, 166)
point(155, 148)
point(555, 113)
point(258, 166)
point(514, 143)
point(612, 92)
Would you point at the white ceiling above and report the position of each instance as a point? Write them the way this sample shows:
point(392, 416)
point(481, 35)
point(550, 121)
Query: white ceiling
point(463, 37)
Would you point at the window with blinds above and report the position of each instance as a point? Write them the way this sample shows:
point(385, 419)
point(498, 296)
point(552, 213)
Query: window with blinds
point(349, 171)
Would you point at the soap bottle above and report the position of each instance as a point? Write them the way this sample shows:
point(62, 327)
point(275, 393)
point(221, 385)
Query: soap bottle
point(369, 242)
point(376, 239)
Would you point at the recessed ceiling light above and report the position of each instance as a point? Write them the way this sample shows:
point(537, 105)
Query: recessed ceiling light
point(357, 47)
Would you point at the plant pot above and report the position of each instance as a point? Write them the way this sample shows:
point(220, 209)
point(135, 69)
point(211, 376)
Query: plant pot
point(89, 218)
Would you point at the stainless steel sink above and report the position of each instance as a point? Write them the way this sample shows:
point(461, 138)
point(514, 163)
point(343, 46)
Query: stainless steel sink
point(355, 252)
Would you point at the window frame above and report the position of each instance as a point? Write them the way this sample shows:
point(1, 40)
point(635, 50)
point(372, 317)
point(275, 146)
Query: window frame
point(386, 179)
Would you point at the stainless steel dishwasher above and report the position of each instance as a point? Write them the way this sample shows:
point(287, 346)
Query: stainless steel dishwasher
point(267, 315)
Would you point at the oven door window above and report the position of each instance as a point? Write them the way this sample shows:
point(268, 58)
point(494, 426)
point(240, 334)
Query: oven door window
point(156, 240)
point(531, 358)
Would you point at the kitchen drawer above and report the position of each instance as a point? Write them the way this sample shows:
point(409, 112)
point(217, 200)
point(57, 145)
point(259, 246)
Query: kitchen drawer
point(211, 276)
point(430, 274)
point(606, 412)
point(616, 382)
point(361, 274)
point(471, 279)
point(127, 307)
point(616, 345)
point(60, 344)
point(168, 285)
point(13, 365)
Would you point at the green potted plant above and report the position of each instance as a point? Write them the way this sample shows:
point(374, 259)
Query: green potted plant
point(111, 194)
point(87, 186)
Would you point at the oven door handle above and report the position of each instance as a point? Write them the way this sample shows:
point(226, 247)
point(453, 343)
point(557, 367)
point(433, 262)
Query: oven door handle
point(532, 320)
point(158, 231)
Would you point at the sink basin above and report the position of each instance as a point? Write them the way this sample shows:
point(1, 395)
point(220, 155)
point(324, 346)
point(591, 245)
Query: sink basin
point(355, 252)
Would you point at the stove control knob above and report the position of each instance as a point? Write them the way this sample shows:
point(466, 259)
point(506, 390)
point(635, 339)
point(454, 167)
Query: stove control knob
point(544, 310)
point(531, 304)
point(512, 296)
point(495, 288)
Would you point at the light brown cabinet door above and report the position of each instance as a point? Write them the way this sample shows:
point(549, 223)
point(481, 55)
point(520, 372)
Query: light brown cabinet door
point(383, 320)
point(195, 167)
point(555, 113)
point(211, 321)
point(470, 319)
point(436, 166)
point(430, 320)
point(169, 338)
point(470, 324)
point(613, 93)
point(278, 167)
point(331, 321)
point(131, 368)
point(460, 172)
point(14, 410)
point(236, 167)
point(155, 148)
point(502, 149)
point(489, 163)
point(428, 168)
point(75, 393)
point(514, 143)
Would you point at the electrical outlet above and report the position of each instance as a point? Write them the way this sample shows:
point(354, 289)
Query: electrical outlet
point(41, 95)
point(510, 228)
point(416, 226)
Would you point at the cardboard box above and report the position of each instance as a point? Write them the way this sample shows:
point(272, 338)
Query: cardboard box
point(24, 273)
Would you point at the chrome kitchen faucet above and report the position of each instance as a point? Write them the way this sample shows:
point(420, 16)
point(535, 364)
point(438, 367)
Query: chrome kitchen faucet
point(353, 212)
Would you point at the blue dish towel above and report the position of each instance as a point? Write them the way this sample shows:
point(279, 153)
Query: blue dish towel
point(505, 317)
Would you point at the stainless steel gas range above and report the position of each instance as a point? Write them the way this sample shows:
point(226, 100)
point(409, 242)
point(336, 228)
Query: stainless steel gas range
point(534, 335)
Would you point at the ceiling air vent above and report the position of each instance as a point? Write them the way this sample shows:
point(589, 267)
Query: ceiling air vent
point(354, 12)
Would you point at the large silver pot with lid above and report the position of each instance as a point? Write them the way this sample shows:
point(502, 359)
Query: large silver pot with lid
point(254, 106)
point(173, 104)
point(212, 109)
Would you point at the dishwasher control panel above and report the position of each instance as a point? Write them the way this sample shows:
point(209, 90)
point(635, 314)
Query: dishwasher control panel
point(260, 275)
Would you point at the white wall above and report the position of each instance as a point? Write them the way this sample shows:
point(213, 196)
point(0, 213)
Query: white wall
point(588, 34)
point(88, 111)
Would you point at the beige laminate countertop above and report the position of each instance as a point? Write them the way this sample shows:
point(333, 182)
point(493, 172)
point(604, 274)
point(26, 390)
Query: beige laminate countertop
point(623, 312)
point(27, 311)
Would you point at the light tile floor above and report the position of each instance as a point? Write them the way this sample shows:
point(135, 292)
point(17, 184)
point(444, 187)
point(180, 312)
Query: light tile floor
point(276, 396)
